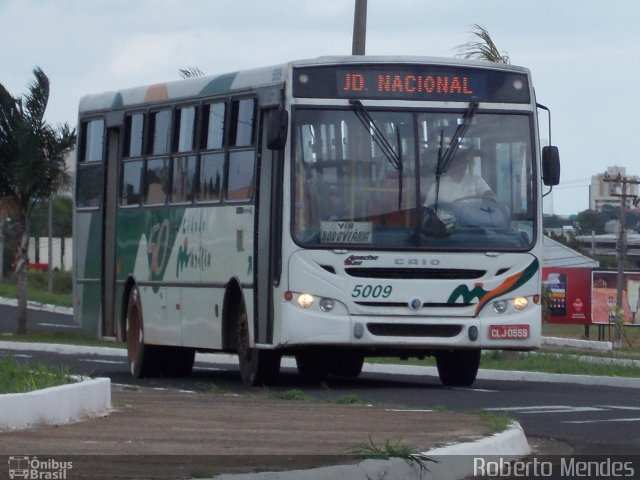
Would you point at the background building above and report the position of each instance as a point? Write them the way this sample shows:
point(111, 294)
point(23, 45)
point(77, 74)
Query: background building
point(600, 191)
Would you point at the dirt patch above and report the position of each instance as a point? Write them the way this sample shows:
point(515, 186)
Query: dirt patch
point(159, 432)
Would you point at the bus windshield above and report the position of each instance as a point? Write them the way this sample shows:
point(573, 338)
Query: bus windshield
point(378, 180)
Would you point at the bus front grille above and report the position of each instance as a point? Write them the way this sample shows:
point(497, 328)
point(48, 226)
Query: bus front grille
point(416, 273)
point(413, 330)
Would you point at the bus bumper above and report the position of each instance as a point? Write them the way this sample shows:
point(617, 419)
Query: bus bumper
point(300, 327)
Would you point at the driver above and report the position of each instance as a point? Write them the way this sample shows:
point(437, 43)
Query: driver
point(458, 183)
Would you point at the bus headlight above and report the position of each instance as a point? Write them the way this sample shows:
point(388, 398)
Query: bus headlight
point(327, 304)
point(305, 300)
point(500, 306)
point(520, 303)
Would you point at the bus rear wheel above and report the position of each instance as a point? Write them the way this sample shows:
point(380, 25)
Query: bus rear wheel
point(458, 368)
point(143, 359)
point(257, 367)
point(178, 361)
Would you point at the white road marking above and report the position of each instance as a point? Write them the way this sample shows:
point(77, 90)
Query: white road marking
point(408, 410)
point(618, 407)
point(548, 409)
point(604, 420)
point(57, 325)
point(93, 360)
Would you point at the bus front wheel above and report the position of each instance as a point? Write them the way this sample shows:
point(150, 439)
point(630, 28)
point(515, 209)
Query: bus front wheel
point(458, 368)
point(143, 359)
point(257, 367)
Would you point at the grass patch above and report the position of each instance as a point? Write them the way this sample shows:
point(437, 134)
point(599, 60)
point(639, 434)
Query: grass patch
point(37, 290)
point(294, 394)
point(382, 451)
point(388, 449)
point(494, 421)
point(348, 400)
point(551, 362)
point(571, 362)
point(18, 378)
point(60, 337)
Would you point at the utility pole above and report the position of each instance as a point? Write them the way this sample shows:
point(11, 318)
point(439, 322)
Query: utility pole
point(359, 28)
point(619, 189)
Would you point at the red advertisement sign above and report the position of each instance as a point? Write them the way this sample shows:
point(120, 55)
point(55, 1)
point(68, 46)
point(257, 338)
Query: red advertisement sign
point(604, 297)
point(569, 299)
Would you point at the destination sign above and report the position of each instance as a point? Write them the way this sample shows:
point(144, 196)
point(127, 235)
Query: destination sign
point(411, 82)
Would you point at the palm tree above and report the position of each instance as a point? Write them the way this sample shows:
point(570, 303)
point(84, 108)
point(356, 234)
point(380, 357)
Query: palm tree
point(190, 72)
point(32, 167)
point(483, 49)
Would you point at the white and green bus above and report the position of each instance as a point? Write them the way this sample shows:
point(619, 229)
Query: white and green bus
point(305, 210)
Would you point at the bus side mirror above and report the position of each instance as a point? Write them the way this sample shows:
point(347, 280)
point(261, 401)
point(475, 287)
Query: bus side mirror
point(278, 123)
point(550, 166)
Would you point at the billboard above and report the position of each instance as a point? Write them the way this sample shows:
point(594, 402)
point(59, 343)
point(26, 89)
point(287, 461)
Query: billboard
point(569, 294)
point(604, 296)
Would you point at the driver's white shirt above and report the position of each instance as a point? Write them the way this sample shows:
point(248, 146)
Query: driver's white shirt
point(450, 190)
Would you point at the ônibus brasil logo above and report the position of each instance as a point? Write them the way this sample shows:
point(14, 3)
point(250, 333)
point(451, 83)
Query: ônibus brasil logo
point(36, 469)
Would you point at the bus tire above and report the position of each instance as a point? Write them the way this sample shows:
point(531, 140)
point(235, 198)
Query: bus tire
point(178, 361)
point(458, 368)
point(347, 363)
point(257, 366)
point(314, 363)
point(143, 359)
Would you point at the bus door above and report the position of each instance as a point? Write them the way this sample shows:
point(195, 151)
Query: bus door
point(268, 228)
point(108, 247)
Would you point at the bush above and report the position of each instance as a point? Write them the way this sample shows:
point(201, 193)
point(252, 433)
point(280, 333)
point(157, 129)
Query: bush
point(62, 281)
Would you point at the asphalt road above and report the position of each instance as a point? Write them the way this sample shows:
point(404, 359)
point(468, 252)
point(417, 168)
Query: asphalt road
point(558, 418)
point(37, 320)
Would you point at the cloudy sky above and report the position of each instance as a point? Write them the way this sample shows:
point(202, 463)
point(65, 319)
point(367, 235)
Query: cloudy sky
point(584, 54)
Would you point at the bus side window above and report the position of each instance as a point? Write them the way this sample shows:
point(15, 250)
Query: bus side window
point(134, 127)
point(156, 180)
point(241, 169)
point(131, 177)
point(183, 178)
point(211, 175)
point(213, 126)
point(90, 171)
point(243, 113)
point(159, 130)
point(184, 129)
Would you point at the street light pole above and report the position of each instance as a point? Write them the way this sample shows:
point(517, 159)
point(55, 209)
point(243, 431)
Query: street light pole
point(359, 28)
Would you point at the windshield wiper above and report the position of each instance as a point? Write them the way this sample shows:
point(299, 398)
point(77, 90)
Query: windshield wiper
point(444, 160)
point(378, 136)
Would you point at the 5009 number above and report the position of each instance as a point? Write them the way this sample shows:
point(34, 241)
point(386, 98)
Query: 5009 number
point(371, 291)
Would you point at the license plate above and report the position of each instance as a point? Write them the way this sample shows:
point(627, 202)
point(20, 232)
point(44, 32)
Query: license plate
point(508, 332)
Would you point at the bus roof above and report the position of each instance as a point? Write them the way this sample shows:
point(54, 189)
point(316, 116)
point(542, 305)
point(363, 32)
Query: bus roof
point(212, 85)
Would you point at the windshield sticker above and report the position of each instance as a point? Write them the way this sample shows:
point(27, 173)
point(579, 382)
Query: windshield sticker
point(346, 232)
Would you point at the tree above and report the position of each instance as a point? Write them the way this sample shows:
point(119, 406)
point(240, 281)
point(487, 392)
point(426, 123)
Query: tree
point(32, 167)
point(190, 72)
point(483, 48)
point(589, 221)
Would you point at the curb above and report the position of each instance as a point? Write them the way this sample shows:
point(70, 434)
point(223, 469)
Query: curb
point(56, 405)
point(574, 343)
point(451, 462)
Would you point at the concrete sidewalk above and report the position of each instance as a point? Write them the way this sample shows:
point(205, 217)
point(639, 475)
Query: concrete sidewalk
point(154, 433)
